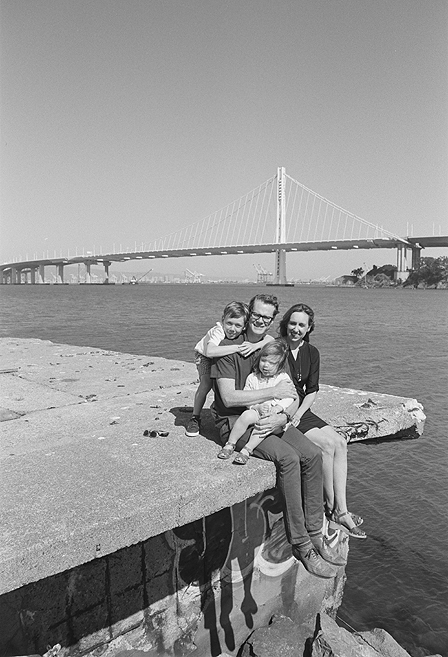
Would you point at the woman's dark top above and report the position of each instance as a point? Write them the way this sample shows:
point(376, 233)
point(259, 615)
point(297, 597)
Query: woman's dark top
point(304, 372)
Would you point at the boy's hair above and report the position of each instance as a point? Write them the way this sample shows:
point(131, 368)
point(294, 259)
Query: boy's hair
point(264, 298)
point(236, 309)
point(278, 347)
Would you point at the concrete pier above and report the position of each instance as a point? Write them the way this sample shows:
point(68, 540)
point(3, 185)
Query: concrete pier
point(105, 530)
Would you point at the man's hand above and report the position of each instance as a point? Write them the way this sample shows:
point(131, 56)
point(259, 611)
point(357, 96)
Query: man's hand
point(267, 425)
point(284, 389)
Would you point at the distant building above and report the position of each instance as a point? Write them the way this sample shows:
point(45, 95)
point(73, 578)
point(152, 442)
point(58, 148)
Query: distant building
point(346, 279)
point(388, 270)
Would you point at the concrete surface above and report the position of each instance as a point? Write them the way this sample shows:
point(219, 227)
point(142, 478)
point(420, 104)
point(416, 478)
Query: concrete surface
point(78, 478)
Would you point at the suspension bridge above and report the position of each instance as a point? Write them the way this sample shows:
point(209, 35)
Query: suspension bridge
point(280, 216)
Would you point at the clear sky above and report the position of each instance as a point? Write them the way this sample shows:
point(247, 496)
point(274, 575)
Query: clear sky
point(125, 120)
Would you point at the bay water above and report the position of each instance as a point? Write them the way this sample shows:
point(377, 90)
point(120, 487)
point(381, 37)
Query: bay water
point(393, 341)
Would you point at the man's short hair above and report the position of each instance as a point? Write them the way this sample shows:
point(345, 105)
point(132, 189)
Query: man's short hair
point(270, 299)
point(236, 309)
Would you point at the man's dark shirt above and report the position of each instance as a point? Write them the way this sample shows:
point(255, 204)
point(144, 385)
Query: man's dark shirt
point(233, 366)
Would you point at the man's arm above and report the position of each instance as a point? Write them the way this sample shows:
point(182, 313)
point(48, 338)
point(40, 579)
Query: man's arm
point(232, 397)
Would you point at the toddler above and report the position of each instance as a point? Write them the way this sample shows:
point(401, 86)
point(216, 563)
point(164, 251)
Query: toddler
point(269, 369)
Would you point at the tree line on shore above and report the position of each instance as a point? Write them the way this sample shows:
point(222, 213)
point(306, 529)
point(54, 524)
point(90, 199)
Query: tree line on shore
point(431, 272)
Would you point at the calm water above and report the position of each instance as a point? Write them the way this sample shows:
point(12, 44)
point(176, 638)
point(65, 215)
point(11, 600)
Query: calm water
point(392, 341)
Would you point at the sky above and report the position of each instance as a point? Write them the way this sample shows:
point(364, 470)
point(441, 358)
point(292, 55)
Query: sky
point(125, 120)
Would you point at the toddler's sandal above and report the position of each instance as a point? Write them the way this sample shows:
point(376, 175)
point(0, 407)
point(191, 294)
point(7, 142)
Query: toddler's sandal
point(242, 458)
point(227, 451)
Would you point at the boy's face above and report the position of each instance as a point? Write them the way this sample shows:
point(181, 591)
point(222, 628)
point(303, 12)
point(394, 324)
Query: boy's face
point(233, 326)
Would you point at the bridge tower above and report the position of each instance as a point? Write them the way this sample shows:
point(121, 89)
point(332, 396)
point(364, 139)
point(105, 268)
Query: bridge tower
point(280, 254)
point(406, 263)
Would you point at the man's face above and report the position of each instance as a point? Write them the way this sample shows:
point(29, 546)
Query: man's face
point(260, 318)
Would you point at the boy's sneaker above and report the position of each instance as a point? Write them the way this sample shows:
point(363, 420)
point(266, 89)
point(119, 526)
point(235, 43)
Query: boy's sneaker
point(193, 427)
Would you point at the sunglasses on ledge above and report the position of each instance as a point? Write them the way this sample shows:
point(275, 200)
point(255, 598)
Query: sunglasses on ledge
point(153, 433)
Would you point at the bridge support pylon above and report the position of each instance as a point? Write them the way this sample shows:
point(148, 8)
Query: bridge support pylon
point(280, 237)
point(60, 273)
point(416, 252)
point(106, 264)
point(41, 276)
point(88, 265)
point(407, 259)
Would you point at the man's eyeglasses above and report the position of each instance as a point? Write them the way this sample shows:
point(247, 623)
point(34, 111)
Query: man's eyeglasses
point(266, 320)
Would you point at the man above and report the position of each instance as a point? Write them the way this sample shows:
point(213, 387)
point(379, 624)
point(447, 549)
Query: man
point(297, 459)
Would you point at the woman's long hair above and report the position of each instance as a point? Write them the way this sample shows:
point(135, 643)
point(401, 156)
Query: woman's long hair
point(297, 308)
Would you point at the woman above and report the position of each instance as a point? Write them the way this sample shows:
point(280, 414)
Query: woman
point(303, 358)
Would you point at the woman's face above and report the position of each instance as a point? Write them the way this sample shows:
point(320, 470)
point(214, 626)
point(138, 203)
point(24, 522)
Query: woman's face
point(298, 326)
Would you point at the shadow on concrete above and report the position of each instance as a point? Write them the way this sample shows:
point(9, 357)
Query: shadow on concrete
point(208, 429)
point(190, 588)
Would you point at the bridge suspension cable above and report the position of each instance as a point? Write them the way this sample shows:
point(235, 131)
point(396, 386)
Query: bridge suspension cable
point(251, 220)
point(313, 218)
point(248, 220)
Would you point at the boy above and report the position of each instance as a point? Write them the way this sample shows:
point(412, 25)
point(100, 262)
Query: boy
point(233, 322)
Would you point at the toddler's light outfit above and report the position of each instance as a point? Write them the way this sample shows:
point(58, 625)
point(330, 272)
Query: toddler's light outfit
point(256, 381)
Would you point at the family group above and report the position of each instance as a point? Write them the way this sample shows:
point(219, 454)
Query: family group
point(263, 392)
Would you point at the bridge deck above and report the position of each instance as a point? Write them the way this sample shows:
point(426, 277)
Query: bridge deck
point(272, 247)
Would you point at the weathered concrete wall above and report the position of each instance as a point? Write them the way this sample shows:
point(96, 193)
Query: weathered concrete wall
point(102, 527)
point(79, 479)
point(204, 586)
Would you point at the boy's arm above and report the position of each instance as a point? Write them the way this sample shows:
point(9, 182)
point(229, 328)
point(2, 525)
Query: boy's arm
point(248, 348)
point(212, 346)
point(215, 351)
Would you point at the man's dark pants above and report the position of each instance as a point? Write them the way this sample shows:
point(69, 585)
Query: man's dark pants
point(299, 477)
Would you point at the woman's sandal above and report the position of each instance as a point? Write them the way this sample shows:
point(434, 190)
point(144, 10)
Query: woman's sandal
point(227, 451)
point(242, 457)
point(355, 532)
point(358, 520)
